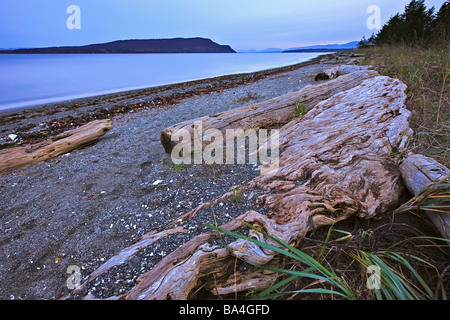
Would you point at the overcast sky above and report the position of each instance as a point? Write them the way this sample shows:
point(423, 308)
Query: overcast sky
point(242, 24)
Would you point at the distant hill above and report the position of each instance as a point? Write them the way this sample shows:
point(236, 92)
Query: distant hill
point(315, 48)
point(269, 50)
point(176, 45)
point(325, 48)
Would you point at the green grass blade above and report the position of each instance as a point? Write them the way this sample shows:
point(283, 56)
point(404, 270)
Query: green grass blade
point(313, 290)
point(301, 256)
point(321, 290)
point(278, 285)
point(392, 281)
point(328, 276)
point(402, 260)
point(255, 241)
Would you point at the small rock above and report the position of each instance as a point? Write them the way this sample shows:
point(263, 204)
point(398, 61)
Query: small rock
point(135, 261)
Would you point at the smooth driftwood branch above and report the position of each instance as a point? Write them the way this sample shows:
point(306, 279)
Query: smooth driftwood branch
point(335, 162)
point(25, 156)
point(267, 114)
point(420, 172)
point(125, 255)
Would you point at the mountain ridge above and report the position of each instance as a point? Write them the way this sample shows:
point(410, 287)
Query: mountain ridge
point(173, 45)
point(325, 47)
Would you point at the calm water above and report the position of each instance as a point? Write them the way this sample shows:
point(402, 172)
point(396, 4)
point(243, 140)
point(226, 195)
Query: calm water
point(29, 79)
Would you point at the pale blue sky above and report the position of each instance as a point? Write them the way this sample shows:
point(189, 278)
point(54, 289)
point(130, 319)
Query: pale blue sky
point(243, 24)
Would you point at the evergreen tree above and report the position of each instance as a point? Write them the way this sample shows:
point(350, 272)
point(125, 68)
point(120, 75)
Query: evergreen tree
point(416, 26)
point(392, 31)
point(440, 27)
point(417, 22)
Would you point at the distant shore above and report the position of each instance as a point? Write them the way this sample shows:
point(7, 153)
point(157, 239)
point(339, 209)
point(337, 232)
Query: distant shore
point(175, 45)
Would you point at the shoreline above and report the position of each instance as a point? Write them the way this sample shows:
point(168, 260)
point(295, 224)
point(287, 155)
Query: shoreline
point(57, 117)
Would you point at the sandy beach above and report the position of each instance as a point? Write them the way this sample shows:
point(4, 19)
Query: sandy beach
point(83, 207)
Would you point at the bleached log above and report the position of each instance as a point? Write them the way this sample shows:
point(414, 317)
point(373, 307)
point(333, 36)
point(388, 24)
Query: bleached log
point(335, 162)
point(267, 114)
point(26, 156)
point(420, 172)
point(338, 71)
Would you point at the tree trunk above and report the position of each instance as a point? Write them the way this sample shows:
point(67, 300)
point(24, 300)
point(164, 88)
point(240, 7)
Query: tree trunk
point(25, 156)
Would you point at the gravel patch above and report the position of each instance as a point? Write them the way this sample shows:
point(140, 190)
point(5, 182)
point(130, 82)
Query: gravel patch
point(84, 207)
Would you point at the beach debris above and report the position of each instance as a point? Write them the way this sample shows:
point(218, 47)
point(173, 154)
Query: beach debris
point(12, 159)
point(338, 71)
point(157, 182)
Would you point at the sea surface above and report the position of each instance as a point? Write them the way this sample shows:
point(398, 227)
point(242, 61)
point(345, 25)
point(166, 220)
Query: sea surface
point(34, 79)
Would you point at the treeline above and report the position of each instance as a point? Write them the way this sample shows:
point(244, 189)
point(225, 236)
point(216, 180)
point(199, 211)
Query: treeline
point(416, 26)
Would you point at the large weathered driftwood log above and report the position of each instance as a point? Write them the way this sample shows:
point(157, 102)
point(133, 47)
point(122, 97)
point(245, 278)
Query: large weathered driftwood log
point(25, 156)
point(267, 114)
point(335, 162)
point(420, 172)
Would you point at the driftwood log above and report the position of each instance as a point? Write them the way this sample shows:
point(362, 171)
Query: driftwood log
point(328, 74)
point(420, 172)
point(335, 162)
point(337, 71)
point(26, 156)
point(267, 114)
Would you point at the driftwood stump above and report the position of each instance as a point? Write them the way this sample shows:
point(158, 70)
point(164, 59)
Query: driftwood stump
point(420, 172)
point(335, 162)
point(26, 156)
